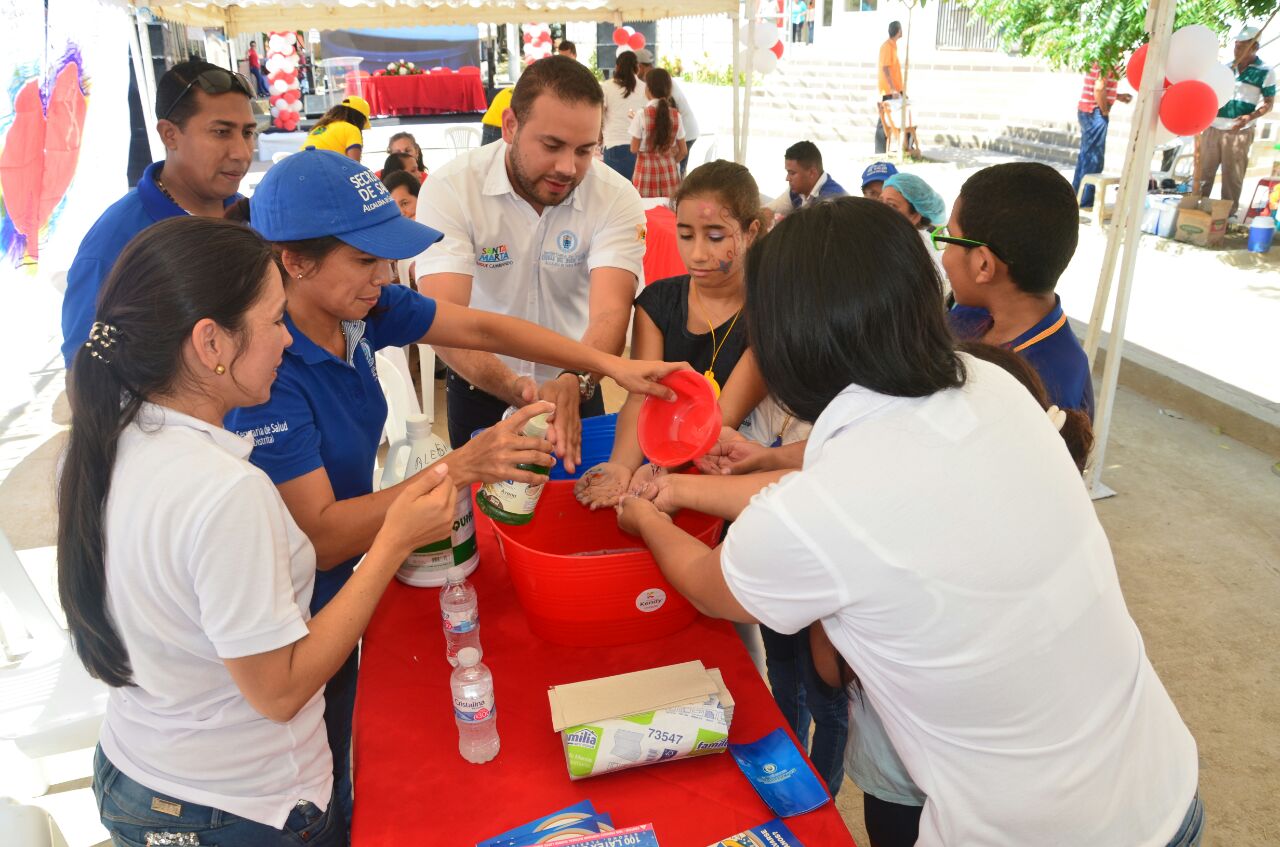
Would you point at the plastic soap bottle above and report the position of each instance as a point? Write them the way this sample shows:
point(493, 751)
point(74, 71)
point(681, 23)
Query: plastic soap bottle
point(513, 502)
point(459, 615)
point(426, 566)
point(473, 708)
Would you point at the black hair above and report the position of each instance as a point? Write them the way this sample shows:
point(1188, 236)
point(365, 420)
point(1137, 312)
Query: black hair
point(396, 162)
point(804, 153)
point(567, 79)
point(566, 44)
point(401, 179)
point(895, 28)
point(342, 113)
point(624, 72)
point(176, 97)
point(658, 84)
point(733, 185)
point(1077, 431)
point(824, 317)
point(417, 150)
point(169, 277)
point(1027, 213)
point(239, 211)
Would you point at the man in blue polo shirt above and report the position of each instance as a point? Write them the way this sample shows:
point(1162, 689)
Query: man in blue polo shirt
point(807, 182)
point(208, 132)
point(1012, 233)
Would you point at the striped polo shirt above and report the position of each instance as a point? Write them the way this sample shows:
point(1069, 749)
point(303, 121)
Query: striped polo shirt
point(1087, 103)
point(1252, 84)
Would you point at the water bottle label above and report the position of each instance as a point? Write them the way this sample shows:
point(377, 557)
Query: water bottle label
point(462, 620)
point(474, 711)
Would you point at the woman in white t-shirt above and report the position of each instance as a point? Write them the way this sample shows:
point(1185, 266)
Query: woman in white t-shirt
point(939, 533)
point(623, 99)
point(184, 579)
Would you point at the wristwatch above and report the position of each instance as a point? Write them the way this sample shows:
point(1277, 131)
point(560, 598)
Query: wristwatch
point(586, 385)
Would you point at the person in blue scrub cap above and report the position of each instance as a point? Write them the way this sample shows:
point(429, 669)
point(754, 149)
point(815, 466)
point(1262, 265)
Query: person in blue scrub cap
point(913, 198)
point(337, 231)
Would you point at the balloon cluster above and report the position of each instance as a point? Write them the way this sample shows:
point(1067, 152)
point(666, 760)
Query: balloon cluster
point(766, 47)
point(627, 39)
point(537, 43)
point(282, 77)
point(1195, 84)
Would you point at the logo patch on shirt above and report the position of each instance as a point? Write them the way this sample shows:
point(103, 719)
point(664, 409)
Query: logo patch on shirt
point(265, 434)
point(641, 233)
point(567, 241)
point(493, 257)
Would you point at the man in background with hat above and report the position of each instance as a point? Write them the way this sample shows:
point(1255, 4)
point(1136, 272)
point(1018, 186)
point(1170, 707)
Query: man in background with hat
point(209, 132)
point(1229, 137)
point(873, 178)
point(644, 64)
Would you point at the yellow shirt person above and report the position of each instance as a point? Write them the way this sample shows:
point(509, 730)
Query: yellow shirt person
point(338, 130)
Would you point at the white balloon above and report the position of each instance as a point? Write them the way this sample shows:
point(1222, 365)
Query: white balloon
point(630, 30)
point(1222, 81)
point(295, 106)
point(1192, 51)
point(766, 35)
point(273, 64)
point(279, 86)
point(290, 37)
point(765, 61)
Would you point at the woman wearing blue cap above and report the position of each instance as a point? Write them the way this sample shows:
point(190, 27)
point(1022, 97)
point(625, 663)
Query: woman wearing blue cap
point(336, 231)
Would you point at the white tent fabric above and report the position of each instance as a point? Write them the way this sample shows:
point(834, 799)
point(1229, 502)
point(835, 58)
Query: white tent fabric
point(237, 16)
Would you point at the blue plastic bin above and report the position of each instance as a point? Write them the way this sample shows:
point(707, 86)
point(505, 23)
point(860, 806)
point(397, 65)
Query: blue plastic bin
point(597, 444)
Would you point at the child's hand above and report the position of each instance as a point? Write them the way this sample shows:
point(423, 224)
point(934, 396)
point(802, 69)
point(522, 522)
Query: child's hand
point(601, 486)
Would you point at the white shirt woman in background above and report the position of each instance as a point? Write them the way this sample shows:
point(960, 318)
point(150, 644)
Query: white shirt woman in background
point(623, 99)
point(940, 534)
point(184, 579)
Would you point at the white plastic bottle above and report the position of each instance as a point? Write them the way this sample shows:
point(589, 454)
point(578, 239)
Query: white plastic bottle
point(426, 566)
point(473, 708)
point(459, 615)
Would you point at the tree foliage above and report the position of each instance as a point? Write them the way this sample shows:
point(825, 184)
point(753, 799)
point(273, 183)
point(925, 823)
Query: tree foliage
point(1074, 34)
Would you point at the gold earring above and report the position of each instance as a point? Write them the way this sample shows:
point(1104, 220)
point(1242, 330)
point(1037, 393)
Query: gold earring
point(219, 370)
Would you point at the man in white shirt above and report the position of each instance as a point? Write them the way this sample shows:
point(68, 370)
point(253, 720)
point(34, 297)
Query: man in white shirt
point(537, 228)
point(688, 122)
point(807, 182)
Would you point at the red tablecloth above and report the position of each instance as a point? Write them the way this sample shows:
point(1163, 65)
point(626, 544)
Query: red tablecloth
point(661, 256)
point(422, 94)
point(412, 787)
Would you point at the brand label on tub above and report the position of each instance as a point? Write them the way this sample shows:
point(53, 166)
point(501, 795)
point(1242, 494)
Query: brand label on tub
point(651, 599)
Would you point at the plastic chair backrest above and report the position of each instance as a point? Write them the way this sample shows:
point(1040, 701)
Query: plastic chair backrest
point(707, 149)
point(462, 138)
point(16, 584)
point(397, 386)
point(277, 158)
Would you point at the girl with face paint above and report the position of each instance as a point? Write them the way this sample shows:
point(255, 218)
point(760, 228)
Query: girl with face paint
point(694, 318)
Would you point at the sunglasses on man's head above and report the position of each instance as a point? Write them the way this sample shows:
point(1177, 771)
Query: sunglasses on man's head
point(213, 81)
point(941, 239)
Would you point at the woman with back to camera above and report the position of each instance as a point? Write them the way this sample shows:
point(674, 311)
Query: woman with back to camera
point(185, 581)
point(623, 98)
point(939, 533)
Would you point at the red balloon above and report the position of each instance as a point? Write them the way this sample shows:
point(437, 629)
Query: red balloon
point(776, 49)
point(620, 37)
point(543, 38)
point(527, 38)
point(1188, 107)
point(292, 95)
point(1137, 61)
point(636, 42)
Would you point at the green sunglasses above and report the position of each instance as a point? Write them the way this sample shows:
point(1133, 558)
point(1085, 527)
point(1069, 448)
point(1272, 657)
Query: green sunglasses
point(941, 239)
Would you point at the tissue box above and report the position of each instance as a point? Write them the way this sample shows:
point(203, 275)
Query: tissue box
point(629, 720)
point(1202, 221)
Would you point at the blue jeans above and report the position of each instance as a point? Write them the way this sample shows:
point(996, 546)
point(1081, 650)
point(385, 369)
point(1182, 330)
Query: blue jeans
point(339, 711)
point(1192, 829)
point(489, 134)
point(803, 697)
point(621, 159)
point(125, 808)
point(1093, 149)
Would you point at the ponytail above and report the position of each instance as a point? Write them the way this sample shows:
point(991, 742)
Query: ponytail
point(172, 275)
point(624, 72)
point(658, 83)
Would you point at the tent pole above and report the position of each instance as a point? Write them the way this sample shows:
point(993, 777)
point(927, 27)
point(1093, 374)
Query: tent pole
point(737, 95)
point(753, 5)
point(513, 52)
point(1133, 188)
point(145, 70)
point(1103, 295)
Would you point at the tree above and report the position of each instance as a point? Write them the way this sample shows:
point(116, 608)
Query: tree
point(1073, 34)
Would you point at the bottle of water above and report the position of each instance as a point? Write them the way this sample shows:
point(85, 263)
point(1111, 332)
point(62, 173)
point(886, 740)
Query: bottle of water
point(459, 614)
point(473, 708)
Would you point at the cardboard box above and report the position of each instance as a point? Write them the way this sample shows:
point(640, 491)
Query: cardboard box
point(1202, 221)
point(629, 720)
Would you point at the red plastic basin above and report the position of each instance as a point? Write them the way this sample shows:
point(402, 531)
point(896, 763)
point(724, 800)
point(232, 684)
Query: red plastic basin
point(585, 583)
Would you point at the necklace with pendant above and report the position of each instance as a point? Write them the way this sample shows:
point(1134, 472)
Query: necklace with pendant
point(710, 372)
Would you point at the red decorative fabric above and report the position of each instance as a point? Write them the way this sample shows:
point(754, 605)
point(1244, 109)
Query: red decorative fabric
point(422, 94)
point(661, 255)
point(412, 787)
point(657, 174)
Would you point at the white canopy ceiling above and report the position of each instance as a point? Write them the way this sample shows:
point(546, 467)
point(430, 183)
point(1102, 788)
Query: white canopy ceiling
point(238, 16)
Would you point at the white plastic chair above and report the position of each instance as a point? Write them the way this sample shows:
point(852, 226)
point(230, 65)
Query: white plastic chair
point(462, 138)
point(48, 702)
point(277, 158)
point(29, 826)
point(706, 149)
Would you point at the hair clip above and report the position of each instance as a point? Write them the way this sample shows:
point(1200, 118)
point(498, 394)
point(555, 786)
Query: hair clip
point(1057, 417)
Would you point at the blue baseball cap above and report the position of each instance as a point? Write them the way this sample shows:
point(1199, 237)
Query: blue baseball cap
point(318, 193)
point(878, 172)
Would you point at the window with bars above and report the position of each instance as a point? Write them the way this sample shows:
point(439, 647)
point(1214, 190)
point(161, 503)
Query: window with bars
point(860, 5)
point(960, 29)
